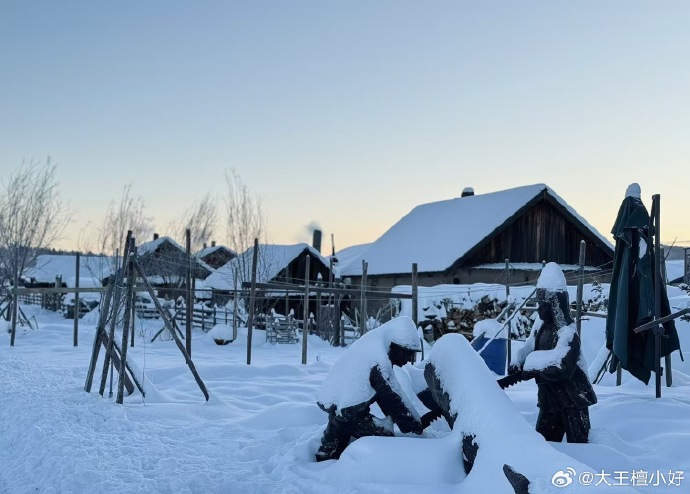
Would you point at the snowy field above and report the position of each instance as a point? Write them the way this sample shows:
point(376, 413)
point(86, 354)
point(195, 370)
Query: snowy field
point(261, 427)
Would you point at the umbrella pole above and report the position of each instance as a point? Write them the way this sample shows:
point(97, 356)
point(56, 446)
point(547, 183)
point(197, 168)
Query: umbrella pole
point(656, 200)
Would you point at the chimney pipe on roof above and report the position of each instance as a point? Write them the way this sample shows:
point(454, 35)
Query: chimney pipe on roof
point(213, 243)
point(155, 236)
point(467, 191)
point(316, 240)
point(204, 246)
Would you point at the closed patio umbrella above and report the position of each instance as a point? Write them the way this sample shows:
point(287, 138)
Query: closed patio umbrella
point(631, 297)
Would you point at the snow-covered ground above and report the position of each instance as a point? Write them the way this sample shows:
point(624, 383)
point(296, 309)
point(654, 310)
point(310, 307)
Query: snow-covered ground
point(261, 427)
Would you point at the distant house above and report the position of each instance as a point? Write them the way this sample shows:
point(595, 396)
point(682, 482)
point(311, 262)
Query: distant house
point(47, 267)
point(51, 269)
point(216, 255)
point(467, 240)
point(275, 264)
point(164, 262)
point(346, 256)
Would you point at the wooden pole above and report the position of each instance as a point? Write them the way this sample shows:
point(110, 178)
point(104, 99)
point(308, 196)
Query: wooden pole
point(580, 288)
point(165, 315)
point(102, 320)
point(363, 301)
point(318, 310)
point(15, 303)
point(656, 206)
point(118, 279)
point(133, 295)
point(188, 284)
point(234, 310)
point(509, 328)
point(252, 296)
point(76, 301)
point(129, 269)
point(415, 295)
point(305, 320)
point(667, 359)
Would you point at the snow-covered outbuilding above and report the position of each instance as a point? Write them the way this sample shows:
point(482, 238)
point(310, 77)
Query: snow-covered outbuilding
point(164, 262)
point(467, 239)
point(275, 264)
point(93, 270)
point(216, 255)
point(49, 270)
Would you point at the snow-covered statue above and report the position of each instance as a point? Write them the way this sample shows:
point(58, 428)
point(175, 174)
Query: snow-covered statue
point(362, 376)
point(501, 452)
point(552, 357)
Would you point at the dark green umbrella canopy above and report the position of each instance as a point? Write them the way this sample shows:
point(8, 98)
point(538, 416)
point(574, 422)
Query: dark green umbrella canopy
point(631, 298)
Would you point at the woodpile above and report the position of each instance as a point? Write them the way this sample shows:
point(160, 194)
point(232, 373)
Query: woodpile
point(462, 320)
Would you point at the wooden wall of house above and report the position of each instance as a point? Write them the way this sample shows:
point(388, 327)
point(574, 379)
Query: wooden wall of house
point(218, 258)
point(295, 270)
point(541, 233)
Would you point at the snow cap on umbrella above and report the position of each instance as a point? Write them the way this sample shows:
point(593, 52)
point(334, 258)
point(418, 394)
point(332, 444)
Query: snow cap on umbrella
point(633, 190)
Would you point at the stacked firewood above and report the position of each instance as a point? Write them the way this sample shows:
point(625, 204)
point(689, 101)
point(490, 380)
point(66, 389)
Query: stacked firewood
point(462, 320)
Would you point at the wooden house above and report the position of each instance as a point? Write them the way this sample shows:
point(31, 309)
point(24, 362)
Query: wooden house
point(164, 262)
point(283, 264)
point(216, 255)
point(467, 240)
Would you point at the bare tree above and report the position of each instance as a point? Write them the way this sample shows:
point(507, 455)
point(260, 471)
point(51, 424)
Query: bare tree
point(244, 222)
point(200, 218)
point(32, 216)
point(128, 214)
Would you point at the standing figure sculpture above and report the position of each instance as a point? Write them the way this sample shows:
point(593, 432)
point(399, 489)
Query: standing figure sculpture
point(552, 357)
point(362, 376)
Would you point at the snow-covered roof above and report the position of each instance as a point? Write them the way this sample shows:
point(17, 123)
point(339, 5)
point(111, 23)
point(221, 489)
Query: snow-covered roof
point(271, 260)
point(92, 269)
point(152, 246)
point(463, 222)
point(347, 255)
point(210, 250)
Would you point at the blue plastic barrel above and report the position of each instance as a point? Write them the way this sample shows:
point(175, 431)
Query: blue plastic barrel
point(494, 355)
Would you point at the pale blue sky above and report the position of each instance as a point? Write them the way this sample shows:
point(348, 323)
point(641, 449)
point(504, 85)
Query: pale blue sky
point(349, 114)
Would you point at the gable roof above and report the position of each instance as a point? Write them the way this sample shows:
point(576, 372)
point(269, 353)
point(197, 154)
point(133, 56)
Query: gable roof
point(347, 255)
point(464, 222)
point(149, 248)
point(271, 261)
point(92, 269)
point(214, 248)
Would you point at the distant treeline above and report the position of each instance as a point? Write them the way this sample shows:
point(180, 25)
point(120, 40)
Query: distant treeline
point(60, 252)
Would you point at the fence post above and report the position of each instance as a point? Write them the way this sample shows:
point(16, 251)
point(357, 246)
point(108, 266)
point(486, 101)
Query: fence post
point(363, 302)
point(667, 359)
point(15, 309)
point(56, 297)
point(580, 288)
point(76, 302)
point(509, 329)
point(305, 321)
point(656, 209)
point(188, 314)
point(252, 295)
point(415, 296)
point(415, 304)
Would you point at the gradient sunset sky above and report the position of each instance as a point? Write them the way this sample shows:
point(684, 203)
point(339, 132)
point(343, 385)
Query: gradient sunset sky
point(349, 114)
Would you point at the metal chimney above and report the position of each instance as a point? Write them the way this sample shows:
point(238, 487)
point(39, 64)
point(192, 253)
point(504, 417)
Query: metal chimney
point(155, 236)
